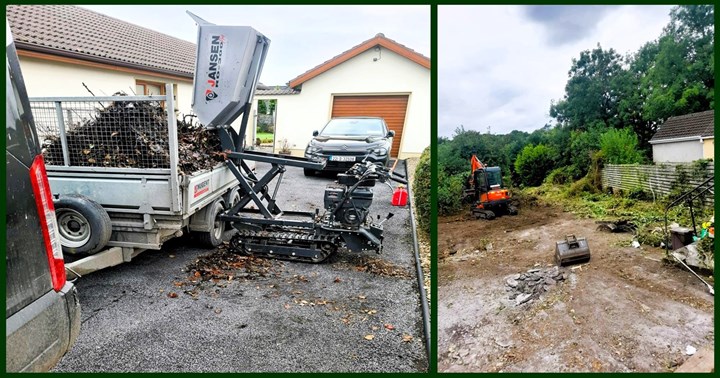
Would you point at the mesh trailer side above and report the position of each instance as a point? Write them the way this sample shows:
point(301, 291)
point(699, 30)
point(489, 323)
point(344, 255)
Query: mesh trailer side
point(110, 132)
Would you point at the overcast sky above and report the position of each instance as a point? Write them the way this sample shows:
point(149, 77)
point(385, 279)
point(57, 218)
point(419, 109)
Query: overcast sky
point(302, 37)
point(500, 66)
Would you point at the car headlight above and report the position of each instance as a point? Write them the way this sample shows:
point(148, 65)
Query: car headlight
point(379, 151)
point(313, 150)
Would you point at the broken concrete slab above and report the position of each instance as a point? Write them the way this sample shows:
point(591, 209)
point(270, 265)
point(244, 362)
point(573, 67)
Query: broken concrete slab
point(701, 362)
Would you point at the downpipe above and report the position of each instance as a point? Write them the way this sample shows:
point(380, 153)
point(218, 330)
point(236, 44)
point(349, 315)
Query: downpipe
point(418, 267)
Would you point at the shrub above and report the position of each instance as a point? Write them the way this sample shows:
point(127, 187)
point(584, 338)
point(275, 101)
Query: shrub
point(582, 186)
point(620, 146)
point(562, 175)
point(533, 164)
point(450, 193)
point(421, 192)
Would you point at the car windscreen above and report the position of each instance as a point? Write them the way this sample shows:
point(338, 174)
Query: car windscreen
point(354, 127)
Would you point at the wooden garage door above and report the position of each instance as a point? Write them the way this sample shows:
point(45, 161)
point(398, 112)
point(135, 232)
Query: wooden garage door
point(391, 108)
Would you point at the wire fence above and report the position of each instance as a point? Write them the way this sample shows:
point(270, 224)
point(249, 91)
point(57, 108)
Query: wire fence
point(119, 132)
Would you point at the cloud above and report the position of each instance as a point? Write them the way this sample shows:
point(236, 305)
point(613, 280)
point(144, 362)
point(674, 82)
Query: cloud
point(567, 23)
point(496, 69)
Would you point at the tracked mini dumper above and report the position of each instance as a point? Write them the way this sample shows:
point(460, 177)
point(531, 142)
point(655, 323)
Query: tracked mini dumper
point(236, 54)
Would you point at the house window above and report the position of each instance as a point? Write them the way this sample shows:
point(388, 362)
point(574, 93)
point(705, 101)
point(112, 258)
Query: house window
point(148, 88)
point(153, 88)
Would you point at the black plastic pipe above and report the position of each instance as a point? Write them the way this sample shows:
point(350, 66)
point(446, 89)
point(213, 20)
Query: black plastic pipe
point(418, 266)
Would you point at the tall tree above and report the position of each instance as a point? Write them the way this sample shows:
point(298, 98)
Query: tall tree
point(682, 80)
point(632, 93)
point(590, 98)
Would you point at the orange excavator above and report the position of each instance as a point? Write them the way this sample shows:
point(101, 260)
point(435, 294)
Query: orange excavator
point(484, 186)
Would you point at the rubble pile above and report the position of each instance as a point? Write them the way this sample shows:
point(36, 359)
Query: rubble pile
point(134, 134)
point(528, 286)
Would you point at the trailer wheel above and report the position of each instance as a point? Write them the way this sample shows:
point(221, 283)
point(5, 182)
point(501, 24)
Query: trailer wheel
point(83, 224)
point(309, 172)
point(231, 198)
point(214, 237)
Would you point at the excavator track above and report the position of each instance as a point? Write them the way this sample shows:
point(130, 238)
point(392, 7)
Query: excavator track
point(296, 245)
point(483, 214)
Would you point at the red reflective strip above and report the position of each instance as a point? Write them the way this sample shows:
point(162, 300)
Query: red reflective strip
point(48, 223)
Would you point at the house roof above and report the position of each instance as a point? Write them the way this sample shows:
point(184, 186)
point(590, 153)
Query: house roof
point(275, 91)
point(699, 125)
point(378, 40)
point(80, 33)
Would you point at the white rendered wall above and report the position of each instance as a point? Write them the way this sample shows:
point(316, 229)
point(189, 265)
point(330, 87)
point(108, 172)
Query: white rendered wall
point(56, 79)
point(298, 115)
point(677, 152)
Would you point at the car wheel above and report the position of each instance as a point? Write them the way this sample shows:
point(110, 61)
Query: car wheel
point(84, 225)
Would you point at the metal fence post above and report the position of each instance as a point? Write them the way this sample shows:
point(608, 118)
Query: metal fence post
point(61, 128)
point(173, 145)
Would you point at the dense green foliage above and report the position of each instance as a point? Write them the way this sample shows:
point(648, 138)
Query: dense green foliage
point(612, 106)
point(421, 192)
point(534, 163)
point(620, 146)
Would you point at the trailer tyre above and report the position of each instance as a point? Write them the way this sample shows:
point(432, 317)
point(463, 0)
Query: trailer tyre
point(214, 237)
point(309, 172)
point(231, 198)
point(83, 224)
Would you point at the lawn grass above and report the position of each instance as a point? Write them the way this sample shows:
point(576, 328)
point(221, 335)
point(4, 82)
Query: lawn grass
point(265, 137)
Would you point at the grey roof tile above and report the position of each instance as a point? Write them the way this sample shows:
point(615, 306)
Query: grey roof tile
point(275, 91)
point(81, 33)
point(701, 124)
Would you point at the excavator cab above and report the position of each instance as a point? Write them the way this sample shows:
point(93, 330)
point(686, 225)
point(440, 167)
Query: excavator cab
point(489, 196)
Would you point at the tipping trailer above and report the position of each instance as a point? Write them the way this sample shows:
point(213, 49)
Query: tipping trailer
point(111, 214)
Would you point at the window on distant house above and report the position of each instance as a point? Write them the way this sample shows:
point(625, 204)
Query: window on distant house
point(148, 88)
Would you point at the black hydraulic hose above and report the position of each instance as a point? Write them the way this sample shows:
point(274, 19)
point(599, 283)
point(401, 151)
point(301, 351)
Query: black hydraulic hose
point(420, 276)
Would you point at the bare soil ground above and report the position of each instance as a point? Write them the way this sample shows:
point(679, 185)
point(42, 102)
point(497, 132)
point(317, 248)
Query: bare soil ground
point(626, 310)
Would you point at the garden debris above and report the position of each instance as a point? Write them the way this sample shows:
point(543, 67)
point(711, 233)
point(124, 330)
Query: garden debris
point(383, 268)
point(134, 134)
point(225, 265)
point(616, 226)
point(528, 286)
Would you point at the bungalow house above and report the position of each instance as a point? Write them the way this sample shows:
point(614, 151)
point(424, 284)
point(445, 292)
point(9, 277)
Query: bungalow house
point(685, 138)
point(379, 78)
point(66, 50)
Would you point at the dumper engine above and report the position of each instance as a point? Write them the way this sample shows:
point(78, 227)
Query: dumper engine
point(351, 212)
point(348, 199)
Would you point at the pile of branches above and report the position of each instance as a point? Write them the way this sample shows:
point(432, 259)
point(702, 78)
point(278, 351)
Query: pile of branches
point(134, 134)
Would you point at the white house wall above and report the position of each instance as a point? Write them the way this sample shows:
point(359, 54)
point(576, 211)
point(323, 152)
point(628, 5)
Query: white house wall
point(677, 152)
point(56, 79)
point(298, 115)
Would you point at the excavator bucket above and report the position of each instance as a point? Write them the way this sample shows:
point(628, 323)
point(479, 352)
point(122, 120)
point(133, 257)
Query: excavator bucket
point(571, 251)
point(227, 69)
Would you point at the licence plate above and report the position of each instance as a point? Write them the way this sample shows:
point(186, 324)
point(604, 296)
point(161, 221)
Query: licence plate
point(342, 158)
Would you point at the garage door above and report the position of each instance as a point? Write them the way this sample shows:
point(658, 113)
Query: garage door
point(391, 108)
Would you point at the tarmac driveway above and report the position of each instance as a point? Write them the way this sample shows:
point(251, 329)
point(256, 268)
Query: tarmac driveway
point(353, 313)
